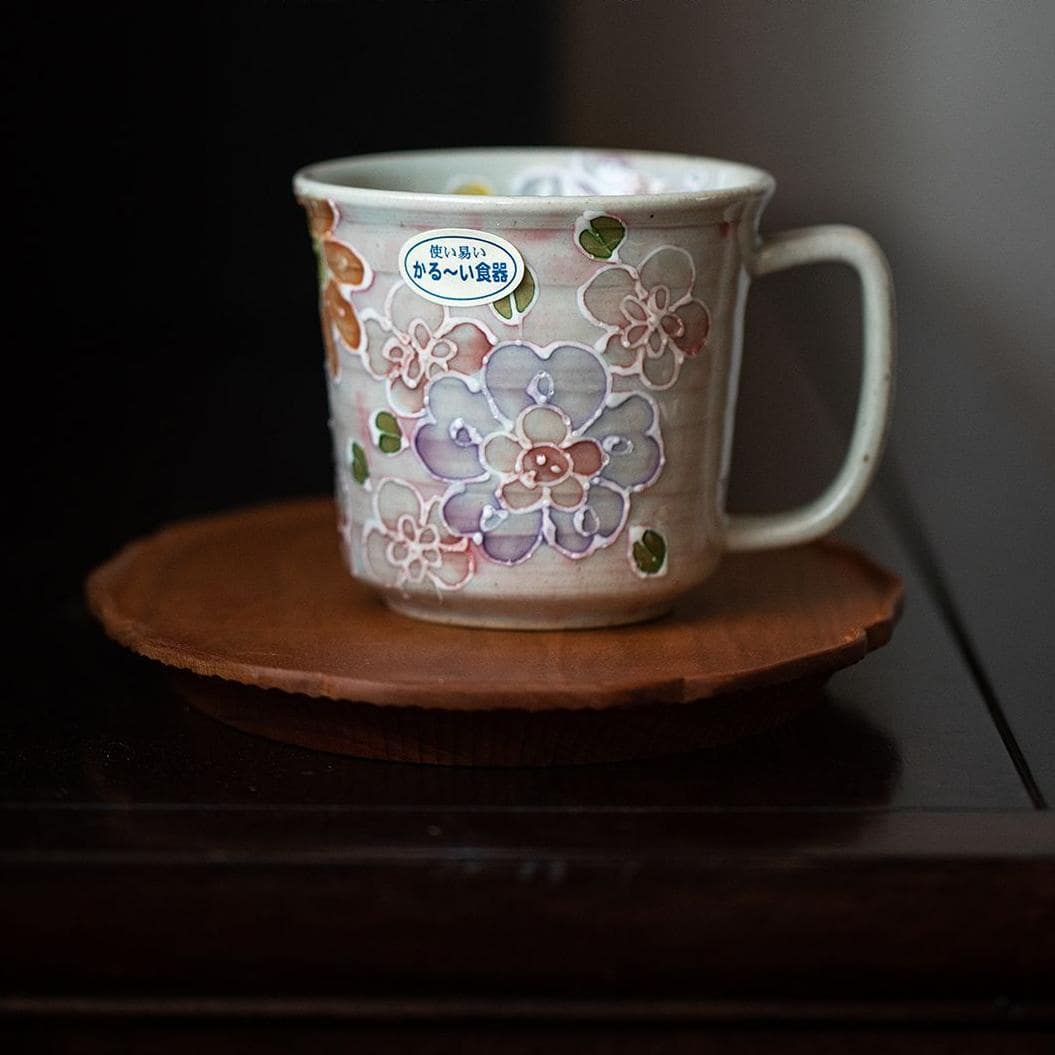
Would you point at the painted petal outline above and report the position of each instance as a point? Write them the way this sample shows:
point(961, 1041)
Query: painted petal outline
point(454, 410)
point(472, 345)
point(633, 418)
point(661, 371)
point(404, 308)
point(543, 424)
point(604, 512)
point(696, 320)
point(621, 358)
point(568, 494)
point(393, 501)
point(578, 382)
point(376, 555)
point(517, 496)
point(586, 457)
point(463, 509)
point(407, 401)
point(501, 453)
point(669, 266)
point(515, 538)
point(455, 569)
point(601, 298)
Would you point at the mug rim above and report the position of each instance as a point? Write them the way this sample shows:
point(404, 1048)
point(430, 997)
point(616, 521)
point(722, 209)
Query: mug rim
point(322, 180)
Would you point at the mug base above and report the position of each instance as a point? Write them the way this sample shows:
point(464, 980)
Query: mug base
point(516, 615)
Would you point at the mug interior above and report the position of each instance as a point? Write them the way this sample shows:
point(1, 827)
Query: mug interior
point(532, 173)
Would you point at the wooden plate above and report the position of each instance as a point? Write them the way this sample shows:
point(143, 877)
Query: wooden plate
point(260, 597)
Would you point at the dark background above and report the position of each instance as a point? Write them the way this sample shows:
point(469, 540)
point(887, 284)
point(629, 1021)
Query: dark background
point(170, 361)
point(164, 357)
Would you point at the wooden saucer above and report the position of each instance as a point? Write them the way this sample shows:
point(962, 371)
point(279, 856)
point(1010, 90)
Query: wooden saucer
point(260, 597)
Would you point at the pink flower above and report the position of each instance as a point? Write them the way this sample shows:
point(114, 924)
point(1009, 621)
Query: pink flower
point(541, 463)
point(407, 544)
point(415, 341)
point(652, 321)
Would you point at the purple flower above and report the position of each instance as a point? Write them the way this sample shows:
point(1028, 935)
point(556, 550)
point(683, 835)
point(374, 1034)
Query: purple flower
point(540, 451)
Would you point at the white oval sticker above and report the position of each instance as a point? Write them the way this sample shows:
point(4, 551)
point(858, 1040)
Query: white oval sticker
point(460, 267)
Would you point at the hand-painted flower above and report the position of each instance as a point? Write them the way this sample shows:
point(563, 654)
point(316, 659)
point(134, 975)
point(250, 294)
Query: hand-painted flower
point(322, 215)
point(414, 342)
point(542, 451)
point(406, 543)
point(345, 264)
point(652, 320)
point(582, 174)
point(343, 273)
point(541, 462)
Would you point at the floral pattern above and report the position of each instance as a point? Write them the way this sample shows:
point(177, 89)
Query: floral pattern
point(584, 174)
point(588, 173)
point(342, 271)
point(651, 319)
point(322, 215)
point(539, 450)
point(407, 544)
point(524, 446)
point(413, 342)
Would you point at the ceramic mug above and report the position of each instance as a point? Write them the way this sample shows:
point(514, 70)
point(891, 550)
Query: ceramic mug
point(532, 360)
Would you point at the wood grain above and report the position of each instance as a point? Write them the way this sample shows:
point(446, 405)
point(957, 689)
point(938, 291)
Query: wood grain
point(260, 597)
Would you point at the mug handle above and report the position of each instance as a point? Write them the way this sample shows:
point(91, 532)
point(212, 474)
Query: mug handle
point(858, 249)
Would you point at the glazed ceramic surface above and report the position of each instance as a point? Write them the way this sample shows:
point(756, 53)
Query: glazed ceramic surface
point(532, 361)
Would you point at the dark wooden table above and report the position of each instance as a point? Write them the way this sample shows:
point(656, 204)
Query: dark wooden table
point(877, 875)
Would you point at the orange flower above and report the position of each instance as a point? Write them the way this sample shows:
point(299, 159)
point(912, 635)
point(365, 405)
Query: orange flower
point(338, 312)
point(343, 261)
point(344, 271)
point(322, 216)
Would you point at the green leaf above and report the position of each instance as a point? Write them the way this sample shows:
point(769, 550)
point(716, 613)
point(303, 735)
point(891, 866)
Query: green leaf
point(525, 292)
point(386, 424)
point(650, 551)
point(654, 543)
point(389, 435)
point(360, 470)
point(602, 237)
point(514, 305)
